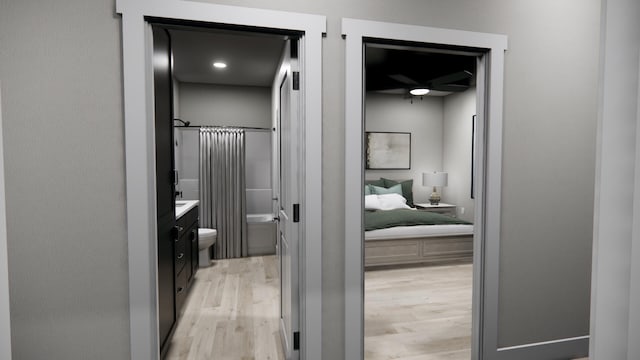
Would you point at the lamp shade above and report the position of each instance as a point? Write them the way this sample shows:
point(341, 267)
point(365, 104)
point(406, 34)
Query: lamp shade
point(435, 179)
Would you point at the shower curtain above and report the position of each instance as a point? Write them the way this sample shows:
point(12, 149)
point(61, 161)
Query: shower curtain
point(222, 189)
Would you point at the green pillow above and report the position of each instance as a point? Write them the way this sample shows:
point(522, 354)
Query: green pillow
point(396, 189)
point(367, 190)
point(407, 188)
point(378, 182)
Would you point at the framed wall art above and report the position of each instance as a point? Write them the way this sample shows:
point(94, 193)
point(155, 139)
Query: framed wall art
point(388, 150)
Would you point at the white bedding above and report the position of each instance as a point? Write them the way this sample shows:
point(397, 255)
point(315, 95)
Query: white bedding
point(407, 232)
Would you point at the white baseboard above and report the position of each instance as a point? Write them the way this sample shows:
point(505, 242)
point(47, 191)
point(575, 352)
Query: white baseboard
point(569, 348)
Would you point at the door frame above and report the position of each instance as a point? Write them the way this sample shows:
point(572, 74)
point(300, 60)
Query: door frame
point(5, 314)
point(140, 167)
point(488, 175)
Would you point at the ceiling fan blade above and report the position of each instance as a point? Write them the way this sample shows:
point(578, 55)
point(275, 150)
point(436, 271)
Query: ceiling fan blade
point(449, 87)
point(403, 79)
point(446, 79)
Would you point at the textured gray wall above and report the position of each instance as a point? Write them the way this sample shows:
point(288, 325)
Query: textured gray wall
point(220, 105)
point(60, 64)
point(456, 155)
point(62, 111)
point(423, 119)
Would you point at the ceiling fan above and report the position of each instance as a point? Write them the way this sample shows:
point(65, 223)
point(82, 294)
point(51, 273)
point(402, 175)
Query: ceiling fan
point(399, 72)
point(454, 82)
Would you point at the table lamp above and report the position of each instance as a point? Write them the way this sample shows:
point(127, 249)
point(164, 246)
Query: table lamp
point(434, 179)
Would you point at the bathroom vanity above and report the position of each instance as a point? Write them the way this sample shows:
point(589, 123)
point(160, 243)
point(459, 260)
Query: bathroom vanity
point(176, 269)
point(185, 249)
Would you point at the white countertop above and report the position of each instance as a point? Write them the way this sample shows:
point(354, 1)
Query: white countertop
point(183, 206)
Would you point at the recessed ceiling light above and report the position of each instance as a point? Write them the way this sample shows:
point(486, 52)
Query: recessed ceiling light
point(219, 65)
point(419, 92)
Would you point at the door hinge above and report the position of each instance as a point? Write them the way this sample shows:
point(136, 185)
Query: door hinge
point(296, 80)
point(296, 213)
point(296, 340)
point(294, 48)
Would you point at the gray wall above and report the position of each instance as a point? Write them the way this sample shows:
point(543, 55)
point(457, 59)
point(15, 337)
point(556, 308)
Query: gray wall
point(187, 159)
point(61, 71)
point(456, 154)
point(258, 172)
point(61, 83)
point(223, 105)
point(423, 119)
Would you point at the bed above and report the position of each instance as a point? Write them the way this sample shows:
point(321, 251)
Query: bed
point(406, 235)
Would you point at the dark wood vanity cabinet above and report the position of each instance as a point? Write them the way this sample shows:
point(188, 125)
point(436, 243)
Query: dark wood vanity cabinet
point(184, 258)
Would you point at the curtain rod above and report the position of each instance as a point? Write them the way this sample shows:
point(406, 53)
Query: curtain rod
point(197, 127)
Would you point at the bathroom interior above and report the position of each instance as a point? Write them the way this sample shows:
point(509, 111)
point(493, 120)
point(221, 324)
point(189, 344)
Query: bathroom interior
point(222, 84)
point(261, 229)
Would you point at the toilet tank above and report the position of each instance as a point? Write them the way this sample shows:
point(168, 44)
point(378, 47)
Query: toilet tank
point(261, 234)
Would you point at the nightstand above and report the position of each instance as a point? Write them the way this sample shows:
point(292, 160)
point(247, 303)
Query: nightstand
point(441, 208)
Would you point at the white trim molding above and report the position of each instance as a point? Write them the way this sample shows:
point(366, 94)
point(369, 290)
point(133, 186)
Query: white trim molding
point(5, 314)
point(488, 175)
point(615, 291)
point(139, 153)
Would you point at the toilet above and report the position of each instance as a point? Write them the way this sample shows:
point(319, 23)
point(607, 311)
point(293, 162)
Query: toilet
point(206, 238)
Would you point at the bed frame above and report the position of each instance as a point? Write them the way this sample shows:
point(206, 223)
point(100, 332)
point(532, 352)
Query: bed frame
point(419, 250)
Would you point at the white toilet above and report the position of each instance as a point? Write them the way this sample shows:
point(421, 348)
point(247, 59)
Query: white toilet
point(206, 238)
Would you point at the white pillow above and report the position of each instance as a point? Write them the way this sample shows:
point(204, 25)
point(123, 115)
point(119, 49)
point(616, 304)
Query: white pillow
point(392, 201)
point(371, 202)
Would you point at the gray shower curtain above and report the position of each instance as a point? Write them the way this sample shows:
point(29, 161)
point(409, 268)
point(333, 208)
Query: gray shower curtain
point(222, 189)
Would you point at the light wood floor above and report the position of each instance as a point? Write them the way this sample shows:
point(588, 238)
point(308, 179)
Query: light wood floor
point(231, 313)
point(418, 313)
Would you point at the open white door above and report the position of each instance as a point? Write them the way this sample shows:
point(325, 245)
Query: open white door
point(288, 200)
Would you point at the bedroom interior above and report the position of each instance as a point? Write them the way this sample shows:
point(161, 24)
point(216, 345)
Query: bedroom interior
point(419, 207)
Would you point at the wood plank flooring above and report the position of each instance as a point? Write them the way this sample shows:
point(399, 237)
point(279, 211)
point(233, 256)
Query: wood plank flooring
point(232, 312)
point(418, 313)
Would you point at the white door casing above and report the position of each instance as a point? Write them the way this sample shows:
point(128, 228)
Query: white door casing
point(140, 169)
point(487, 176)
point(5, 315)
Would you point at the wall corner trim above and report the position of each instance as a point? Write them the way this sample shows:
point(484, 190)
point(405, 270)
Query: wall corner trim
point(5, 313)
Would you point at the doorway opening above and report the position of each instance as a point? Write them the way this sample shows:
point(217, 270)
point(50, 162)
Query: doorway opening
point(420, 109)
point(140, 147)
point(488, 50)
point(226, 120)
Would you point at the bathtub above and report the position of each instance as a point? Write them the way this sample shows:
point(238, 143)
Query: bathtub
point(261, 234)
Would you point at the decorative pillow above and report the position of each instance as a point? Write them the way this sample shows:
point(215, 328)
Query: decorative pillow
point(378, 182)
point(392, 201)
point(407, 188)
point(371, 202)
point(396, 189)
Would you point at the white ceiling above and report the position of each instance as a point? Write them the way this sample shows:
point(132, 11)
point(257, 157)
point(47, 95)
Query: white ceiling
point(251, 59)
